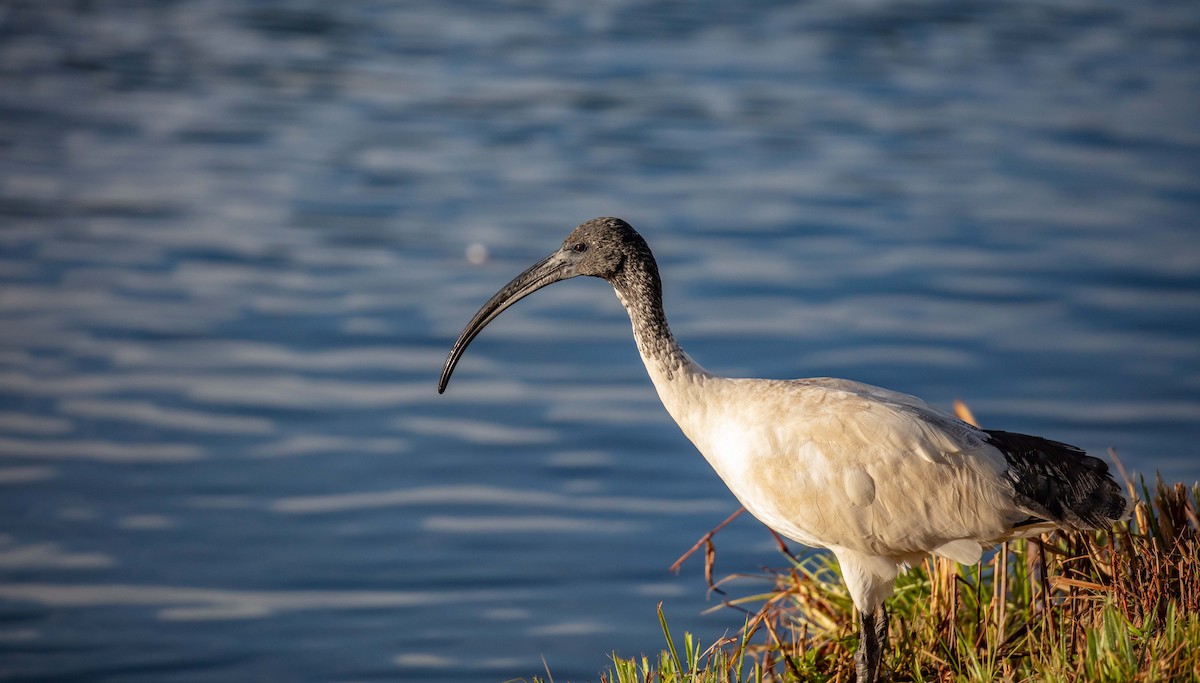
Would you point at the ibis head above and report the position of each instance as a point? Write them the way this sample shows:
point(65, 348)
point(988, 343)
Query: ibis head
point(606, 248)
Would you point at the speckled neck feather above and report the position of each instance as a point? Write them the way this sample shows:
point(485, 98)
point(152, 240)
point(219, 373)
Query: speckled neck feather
point(639, 288)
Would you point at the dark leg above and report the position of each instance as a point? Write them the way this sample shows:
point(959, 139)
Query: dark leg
point(881, 629)
point(873, 637)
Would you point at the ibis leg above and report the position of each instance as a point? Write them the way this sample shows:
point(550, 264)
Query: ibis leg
point(881, 630)
point(873, 634)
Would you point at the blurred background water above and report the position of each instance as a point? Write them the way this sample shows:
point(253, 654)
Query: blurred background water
point(234, 252)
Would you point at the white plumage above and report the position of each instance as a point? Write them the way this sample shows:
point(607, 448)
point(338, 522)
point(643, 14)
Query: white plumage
point(878, 477)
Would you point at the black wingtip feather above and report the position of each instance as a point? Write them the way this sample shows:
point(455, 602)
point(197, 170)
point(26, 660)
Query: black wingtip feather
point(1060, 482)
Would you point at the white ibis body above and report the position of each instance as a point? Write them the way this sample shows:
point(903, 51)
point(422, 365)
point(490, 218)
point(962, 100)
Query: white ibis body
point(878, 477)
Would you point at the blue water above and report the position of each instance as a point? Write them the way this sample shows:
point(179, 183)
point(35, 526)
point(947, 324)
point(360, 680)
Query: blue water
point(234, 252)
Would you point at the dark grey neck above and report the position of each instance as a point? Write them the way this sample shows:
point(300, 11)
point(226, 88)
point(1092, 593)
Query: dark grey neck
point(639, 288)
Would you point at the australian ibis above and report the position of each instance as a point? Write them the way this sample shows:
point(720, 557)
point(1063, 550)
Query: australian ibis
point(878, 477)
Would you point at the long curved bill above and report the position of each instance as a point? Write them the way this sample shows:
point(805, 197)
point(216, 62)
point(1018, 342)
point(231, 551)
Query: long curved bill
point(545, 272)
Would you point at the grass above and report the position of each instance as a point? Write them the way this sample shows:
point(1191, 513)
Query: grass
point(1119, 605)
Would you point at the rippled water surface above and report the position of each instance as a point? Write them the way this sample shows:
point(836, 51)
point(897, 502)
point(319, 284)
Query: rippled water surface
point(234, 251)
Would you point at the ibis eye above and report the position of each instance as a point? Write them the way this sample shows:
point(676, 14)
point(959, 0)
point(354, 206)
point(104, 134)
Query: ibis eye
point(579, 247)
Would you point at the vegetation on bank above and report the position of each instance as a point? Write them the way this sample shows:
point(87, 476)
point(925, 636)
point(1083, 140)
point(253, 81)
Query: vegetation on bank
point(1119, 605)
